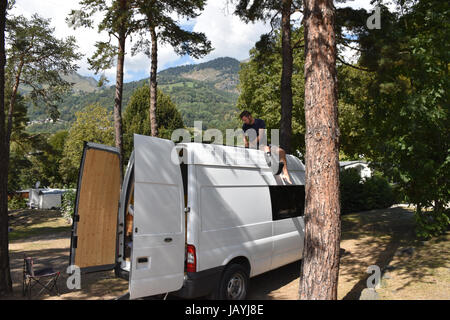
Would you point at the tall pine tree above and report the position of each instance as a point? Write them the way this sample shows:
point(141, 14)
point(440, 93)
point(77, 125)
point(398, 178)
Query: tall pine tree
point(163, 28)
point(36, 59)
point(119, 22)
point(320, 263)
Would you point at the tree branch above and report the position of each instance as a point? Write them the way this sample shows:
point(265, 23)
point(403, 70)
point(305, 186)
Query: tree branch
point(298, 44)
point(350, 65)
point(272, 21)
point(348, 46)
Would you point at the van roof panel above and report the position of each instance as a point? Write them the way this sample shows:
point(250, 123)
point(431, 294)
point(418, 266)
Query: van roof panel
point(219, 155)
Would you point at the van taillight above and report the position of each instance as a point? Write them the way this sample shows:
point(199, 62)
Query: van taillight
point(191, 259)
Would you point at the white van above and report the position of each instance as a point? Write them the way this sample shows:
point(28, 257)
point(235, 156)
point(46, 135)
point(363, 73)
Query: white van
point(200, 227)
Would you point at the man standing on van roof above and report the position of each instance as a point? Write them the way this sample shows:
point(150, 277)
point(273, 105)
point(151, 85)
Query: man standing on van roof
point(256, 138)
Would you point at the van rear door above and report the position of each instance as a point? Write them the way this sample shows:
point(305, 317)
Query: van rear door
point(158, 236)
point(94, 230)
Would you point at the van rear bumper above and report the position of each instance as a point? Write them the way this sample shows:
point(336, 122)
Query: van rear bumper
point(200, 284)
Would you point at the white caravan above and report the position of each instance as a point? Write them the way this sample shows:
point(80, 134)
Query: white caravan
point(196, 228)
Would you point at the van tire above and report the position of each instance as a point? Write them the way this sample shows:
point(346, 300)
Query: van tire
point(233, 285)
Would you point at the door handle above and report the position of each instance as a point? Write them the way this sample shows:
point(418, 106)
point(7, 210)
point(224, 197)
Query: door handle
point(142, 260)
point(168, 240)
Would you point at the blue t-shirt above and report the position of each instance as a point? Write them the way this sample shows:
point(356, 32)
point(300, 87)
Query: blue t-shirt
point(258, 124)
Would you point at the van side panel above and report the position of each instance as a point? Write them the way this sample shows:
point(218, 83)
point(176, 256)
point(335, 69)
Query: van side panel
point(235, 217)
point(288, 237)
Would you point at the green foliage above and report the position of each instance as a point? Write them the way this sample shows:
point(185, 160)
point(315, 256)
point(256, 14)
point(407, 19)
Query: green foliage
point(432, 223)
point(18, 172)
point(26, 151)
point(16, 203)
point(38, 59)
point(353, 139)
point(260, 86)
point(403, 100)
point(68, 204)
point(351, 191)
point(93, 124)
point(211, 101)
point(117, 20)
point(36, 159)
point(368, 194)
point(201, 101)
point(48, 127)
point(159, 16)
point(136, 117)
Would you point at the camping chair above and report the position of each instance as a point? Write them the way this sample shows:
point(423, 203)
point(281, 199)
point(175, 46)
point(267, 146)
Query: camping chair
point(47, 278)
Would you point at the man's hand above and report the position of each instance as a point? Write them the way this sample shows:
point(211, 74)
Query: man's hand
point(246, 141)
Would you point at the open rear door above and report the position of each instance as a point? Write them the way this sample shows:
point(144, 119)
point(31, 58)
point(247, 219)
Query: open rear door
point(93, 243)
point(157, 264)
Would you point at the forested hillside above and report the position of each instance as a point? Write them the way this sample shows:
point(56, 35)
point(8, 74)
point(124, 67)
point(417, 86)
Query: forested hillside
point(204, 92)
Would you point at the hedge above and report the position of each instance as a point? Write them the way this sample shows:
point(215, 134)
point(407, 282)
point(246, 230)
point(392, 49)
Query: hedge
point(360, 195)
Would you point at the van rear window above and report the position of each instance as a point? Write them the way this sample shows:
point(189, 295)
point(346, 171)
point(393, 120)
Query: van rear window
point(287, 201)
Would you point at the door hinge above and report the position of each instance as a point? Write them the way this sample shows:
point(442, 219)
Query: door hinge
point(187, 210)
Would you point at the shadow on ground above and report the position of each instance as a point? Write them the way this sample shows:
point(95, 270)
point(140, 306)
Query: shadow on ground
point(380, 237)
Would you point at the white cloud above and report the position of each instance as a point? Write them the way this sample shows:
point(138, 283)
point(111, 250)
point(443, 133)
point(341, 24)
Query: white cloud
point(57, 11)
point(229, 35)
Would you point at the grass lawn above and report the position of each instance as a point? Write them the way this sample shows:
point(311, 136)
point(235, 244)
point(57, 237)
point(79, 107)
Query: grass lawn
point(30, 223)
point(411, 269)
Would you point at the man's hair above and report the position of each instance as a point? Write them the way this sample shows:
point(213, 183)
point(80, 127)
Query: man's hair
point(244, 113)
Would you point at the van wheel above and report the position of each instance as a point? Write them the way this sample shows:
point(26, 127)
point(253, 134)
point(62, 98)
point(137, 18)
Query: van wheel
point(234, 283)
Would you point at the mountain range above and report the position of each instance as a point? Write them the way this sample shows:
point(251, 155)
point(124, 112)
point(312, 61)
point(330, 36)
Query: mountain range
point(204, 92)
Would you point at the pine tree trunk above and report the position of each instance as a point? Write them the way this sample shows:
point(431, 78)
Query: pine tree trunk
point(12, 103)
point(153, 84)
point(286, 77)
point(118, 98)
point(320, 264)
point(5, 274)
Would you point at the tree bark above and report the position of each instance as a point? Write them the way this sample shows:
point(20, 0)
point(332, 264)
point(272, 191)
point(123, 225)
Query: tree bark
point(118, 97)
point(320, 265)
point(153, 83)
point(12, 103)
point(5, 274)
point(286, 77)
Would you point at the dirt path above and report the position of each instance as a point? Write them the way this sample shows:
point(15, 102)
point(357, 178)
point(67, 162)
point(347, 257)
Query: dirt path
point(376, 237)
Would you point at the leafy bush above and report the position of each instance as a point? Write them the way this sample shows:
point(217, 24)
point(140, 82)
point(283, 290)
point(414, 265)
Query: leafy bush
point(378, 193)
point(360, 195)
point(431, 223)
point(16, 203)
point(352, 191)
point(68, 204)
